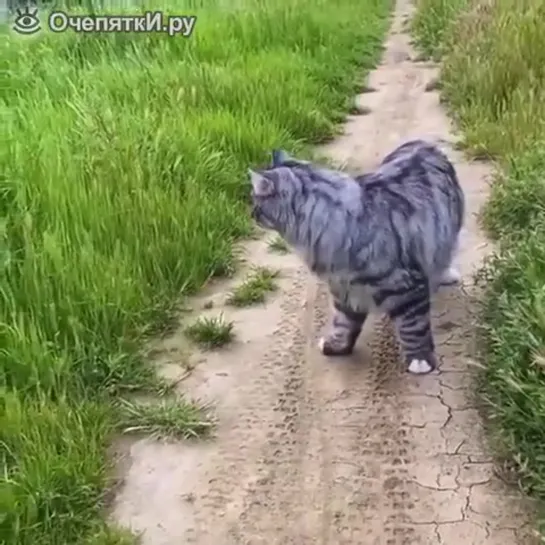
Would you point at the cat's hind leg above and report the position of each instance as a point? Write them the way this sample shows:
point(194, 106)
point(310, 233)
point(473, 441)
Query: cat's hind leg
point(410, 312)
point(344, 331)
point(450, 277)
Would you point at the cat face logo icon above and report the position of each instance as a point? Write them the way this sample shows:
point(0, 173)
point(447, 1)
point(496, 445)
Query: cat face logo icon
point(27, 21)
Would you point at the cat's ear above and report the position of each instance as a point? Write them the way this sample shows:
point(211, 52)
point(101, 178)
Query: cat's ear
point(279, 157)
point(262, 186)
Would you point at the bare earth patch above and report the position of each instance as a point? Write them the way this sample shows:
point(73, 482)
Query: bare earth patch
point(348, 451)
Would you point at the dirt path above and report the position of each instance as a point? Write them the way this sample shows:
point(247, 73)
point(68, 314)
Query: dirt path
point(318, 451)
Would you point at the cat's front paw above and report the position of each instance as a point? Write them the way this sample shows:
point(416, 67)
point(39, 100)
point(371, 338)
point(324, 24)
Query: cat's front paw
point(333, 346)
point(422, 366)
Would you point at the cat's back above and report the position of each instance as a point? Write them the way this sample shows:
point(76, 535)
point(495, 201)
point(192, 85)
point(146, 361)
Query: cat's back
point(417, 170)
point(417, 161)
point(417, 180)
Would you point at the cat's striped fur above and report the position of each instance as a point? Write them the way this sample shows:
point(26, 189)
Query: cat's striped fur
point(386, 238)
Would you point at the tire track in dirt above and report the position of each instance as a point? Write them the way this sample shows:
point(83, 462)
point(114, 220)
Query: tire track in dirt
point(277, 492)
point(278, 396)
point(342, 451)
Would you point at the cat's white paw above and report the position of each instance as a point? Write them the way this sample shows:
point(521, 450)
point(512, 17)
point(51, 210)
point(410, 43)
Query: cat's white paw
point(335, 347)
point(451, 276)
point(420, 367)
point(321, 344)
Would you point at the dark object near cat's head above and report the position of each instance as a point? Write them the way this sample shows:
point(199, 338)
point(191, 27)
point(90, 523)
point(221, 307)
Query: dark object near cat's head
point(278, 157)
point(281, 158)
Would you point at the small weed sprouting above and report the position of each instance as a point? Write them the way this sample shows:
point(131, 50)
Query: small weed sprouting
point(279, 245)
point(171, 417)
point(211, 332)
point(107, 534)
point(255, 288)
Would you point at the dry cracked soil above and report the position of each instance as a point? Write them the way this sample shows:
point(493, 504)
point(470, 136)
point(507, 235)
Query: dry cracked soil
point(340, 451)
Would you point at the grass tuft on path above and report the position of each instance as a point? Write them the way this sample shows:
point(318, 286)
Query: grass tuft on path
point(165, 419)
point(278, 245)
point(210, 333)
point(493, 79)
point(122, 188)
point(254, 288)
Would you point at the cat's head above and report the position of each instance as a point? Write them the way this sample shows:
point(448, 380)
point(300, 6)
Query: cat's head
point(273, 189)
point(268, 192)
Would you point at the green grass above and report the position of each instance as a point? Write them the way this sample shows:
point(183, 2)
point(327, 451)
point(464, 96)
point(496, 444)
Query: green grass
point(122, 189)
point(278, 245)
point(493, 79)
point(167, 418)
point(210, 333)
point(255, 288)
point(431, 21)
point(111, 536)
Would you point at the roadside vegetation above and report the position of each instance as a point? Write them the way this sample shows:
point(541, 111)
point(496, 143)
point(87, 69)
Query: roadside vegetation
point(493, 80)
point(254, 289)
point(210, 333)
point(122, 189)
point(278, 245)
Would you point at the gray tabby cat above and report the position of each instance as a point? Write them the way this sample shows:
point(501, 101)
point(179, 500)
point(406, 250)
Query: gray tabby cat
point(384, 239)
